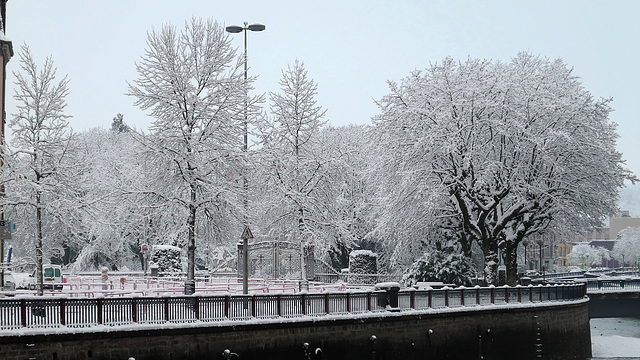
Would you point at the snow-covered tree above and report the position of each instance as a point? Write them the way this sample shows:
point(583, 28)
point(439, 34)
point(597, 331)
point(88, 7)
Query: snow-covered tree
point(498, 151)
point(36, 170)
point(194, 88)
point(347, 195)
point(118, 125)
point(294, 164)
point(604, 255)
point(584, 254)
point(627, 247)
point(114, 221)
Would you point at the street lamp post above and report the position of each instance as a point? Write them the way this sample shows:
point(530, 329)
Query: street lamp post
point(234, 29)
point(525, 243)
point(540, 243)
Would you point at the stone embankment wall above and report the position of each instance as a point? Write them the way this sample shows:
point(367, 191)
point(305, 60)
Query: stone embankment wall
point(558, 331)
point(614, 304)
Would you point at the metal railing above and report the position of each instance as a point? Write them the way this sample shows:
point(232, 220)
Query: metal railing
point(612, 285)
point(56, 312)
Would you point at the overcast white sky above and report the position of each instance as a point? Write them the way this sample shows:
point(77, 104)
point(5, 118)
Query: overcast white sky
point(350, 48)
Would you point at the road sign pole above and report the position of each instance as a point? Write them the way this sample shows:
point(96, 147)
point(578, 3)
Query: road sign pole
point(245, 266)
point(246, 235)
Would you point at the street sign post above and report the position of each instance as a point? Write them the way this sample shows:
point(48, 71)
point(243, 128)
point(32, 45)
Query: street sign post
point(246, 235)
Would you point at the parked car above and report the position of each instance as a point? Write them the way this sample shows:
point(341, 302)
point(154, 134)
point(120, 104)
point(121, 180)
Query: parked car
point(51, 278)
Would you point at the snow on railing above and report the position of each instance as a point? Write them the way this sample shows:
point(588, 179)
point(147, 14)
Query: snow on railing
point(93, 286)
point(54, 312)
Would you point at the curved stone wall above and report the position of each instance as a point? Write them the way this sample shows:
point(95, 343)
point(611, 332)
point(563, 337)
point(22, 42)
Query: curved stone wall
point(552, 331)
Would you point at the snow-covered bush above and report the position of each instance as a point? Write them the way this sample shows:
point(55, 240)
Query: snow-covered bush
point(167, 259)
point(363, 267)
point(440, 265)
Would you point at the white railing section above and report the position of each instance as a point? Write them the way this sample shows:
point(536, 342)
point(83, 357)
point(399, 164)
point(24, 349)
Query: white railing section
point(55, 312)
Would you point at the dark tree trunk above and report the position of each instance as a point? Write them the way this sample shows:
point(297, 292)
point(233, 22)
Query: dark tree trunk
point(511, 262)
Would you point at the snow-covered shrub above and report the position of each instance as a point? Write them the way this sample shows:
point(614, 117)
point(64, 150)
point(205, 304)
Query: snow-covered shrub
point(440, 265)
point(167, 259)
point(363, 267)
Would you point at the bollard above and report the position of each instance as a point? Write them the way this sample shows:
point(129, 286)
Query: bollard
point(372, 341)
point(305, 346)
point(227, 354)
point(307, 354)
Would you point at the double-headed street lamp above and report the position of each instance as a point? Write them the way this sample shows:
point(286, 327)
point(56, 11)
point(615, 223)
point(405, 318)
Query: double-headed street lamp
point(237, 29)
point(246, 234)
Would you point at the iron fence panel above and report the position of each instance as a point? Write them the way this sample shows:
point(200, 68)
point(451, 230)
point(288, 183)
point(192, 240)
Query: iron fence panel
point(10, 314)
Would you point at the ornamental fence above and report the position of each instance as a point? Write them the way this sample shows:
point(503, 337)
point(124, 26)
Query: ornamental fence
point(58, 312)
point(612, 285)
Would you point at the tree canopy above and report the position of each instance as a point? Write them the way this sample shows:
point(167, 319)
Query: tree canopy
point(465, 160)
point(500, 151)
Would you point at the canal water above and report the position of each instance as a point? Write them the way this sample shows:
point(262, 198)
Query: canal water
point(615, 338)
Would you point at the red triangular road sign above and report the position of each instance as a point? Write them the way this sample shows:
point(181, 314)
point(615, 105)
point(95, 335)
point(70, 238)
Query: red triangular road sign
point(246, 234)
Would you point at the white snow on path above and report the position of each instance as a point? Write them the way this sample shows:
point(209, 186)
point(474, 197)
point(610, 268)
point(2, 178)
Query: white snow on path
point(608, 346)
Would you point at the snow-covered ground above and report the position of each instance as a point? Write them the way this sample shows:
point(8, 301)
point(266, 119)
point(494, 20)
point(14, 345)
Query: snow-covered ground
point(615, 346)
point(615, 338)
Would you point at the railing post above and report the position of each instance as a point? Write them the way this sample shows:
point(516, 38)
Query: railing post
point(477, 296)
point(446, 297)
point(519, 295)
point(227, 305)
point(369, 301)
point(506, 295)
point(99, 308)
point(530, 294)
point(493, 295)
point(348, 302)
point(412, 300)
point(326, 303)
point(253, 306)
point(23, 312)
point(134, 310)
point(430, 299)
point(166, 309)
point(303, 298)
point(63, 317)
point(462, 296)
point(540, 286)
point(196, 306)
point(279, 305)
